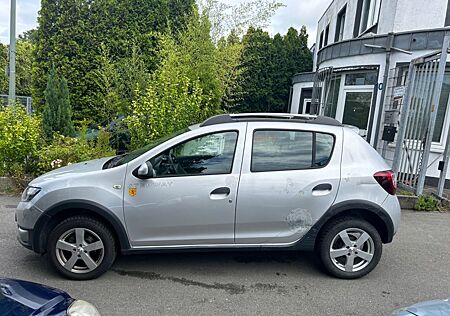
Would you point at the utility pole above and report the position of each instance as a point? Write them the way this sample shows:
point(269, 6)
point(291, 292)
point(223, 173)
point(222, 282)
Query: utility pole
point(12, 54)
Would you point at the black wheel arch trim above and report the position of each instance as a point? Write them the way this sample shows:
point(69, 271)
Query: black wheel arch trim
point(38, 243)
point(308, 241)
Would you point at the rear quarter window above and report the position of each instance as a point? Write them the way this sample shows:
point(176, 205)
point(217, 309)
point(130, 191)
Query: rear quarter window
point(279, 150)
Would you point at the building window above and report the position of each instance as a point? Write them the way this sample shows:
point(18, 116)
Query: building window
point(327, 31)
point(366, 15)
point(332, 99)
point(321, 40)
point(361, 79)
point(340, 24)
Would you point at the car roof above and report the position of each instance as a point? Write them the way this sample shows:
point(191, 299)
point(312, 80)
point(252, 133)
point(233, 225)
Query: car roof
point(270, 117)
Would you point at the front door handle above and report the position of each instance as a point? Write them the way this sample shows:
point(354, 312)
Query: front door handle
point(322, 189)
point(221, 191)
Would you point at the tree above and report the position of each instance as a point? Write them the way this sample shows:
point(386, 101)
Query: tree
point(198, 57)
point(24, 61)
point(70, 33)
point(57, 113)
point(172, 100)
point(3, 68)
point(229, 52)
point(226, 18)
point(267, 66)
point(255, 80)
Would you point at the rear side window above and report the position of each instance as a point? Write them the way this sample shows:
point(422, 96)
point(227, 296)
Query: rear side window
point(278, 150)
point(324, 147)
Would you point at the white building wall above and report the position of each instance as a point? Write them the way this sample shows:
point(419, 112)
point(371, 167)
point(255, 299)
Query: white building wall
point(419, 14)
point(330, 18)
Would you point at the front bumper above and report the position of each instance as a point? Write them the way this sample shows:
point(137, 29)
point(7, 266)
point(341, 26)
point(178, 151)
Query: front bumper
point(27, 214)
point(25, 237)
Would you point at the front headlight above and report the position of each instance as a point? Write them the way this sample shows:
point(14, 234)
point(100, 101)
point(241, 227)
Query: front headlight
point(82, 308)
point(30, 193)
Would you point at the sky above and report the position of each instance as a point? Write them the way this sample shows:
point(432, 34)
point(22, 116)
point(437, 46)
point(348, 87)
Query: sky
point(295, 13)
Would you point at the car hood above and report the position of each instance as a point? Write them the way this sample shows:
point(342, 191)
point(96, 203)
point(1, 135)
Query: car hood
point(77, 168)
point(25, 298)
point(428, 308)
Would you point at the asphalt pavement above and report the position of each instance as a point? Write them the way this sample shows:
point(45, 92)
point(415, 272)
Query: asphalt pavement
point(415, 267)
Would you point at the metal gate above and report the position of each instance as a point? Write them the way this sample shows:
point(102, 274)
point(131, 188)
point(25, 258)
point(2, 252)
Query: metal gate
point(321, 84)
point(418, 118)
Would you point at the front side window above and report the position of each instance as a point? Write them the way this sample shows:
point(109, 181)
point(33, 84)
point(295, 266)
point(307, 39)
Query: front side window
point(278, 150)
point(205, 155)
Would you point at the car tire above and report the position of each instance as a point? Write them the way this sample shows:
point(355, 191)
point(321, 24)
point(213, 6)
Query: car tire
point(349, 248)
point(81, 248)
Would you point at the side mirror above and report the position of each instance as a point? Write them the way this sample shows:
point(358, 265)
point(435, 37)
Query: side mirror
point(145, 171)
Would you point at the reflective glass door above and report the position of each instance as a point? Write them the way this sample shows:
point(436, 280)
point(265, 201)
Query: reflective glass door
point(356, 109)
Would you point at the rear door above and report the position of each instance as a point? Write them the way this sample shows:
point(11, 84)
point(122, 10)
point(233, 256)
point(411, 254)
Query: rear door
point(290, 176)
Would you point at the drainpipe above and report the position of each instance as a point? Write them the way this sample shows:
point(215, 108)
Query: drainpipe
point(390, 42)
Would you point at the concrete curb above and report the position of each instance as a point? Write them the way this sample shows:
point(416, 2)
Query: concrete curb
point(407, 201)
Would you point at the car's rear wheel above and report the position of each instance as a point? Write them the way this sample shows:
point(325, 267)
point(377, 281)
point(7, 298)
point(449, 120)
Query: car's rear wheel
point(349, 248)
point(81, 248)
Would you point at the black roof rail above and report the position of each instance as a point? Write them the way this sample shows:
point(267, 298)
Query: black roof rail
point(274, 117)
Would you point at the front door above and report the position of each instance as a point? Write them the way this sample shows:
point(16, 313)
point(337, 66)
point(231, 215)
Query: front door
point(191, 199)
point(289, 179)
point(356, 108)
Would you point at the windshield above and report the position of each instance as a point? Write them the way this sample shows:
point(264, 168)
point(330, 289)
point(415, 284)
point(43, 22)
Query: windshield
point(126, 158)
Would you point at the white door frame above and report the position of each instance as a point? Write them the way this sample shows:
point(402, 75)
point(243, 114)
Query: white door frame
point(304, 105)
point(342, 96)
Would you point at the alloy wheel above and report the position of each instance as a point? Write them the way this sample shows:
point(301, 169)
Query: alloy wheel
point(80, 250)
point(352, 250)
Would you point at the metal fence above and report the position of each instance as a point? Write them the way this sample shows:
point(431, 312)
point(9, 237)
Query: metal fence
point(419, 106)
point(27, 102)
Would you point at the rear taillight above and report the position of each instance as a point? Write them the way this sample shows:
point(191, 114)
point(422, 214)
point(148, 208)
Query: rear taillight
point(387, 180)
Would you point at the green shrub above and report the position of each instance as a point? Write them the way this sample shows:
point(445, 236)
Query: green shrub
point(428, 203)
point(20, 137)
point(57, 113)
point(63, 151)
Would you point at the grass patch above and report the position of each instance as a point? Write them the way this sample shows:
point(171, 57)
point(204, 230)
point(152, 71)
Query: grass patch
point(405, 193)
point(428, 203)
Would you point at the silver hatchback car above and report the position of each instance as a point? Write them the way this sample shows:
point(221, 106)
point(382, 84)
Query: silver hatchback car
point(248, 181)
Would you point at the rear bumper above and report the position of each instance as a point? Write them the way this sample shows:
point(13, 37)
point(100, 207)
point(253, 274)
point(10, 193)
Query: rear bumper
point(392, 207)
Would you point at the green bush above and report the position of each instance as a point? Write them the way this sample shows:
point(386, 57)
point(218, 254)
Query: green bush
point(63, 151)
point(428, 203)
point(20, 137)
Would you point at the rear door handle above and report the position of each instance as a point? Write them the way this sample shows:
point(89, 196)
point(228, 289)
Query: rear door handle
point(322, 189)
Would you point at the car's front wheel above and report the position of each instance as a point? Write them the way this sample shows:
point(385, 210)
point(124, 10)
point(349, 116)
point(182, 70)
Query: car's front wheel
point(81, 248)
point(349, 248)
